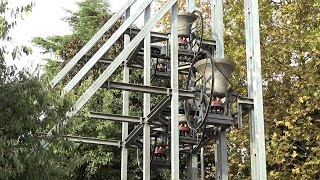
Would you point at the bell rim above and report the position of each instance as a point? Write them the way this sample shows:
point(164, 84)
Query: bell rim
point(228, 62)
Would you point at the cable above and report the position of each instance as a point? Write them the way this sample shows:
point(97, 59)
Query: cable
point(201, 36)
point(138, 161)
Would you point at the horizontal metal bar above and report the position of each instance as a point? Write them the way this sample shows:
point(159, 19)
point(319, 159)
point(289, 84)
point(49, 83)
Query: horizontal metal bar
point(160, 162)
point(219, 120)
point(160, 36)
point(245, 101)
point(147, 89)
point(184, 67)
point(93, 140)
point(115, 117)
point(91, 43)
point(163, 36)
point(133, 134)
point(187, 140)
point(109, 61)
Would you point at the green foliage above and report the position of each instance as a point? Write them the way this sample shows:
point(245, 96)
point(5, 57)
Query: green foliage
point(291, 74)
point(28, 107)
point(92, 161)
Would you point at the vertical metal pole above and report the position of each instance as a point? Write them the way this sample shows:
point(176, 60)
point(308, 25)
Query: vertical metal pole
point(125, 111)
point(146, 99)
point(256, 118)
point(193, 157)
point(221, 160)
point(202, 163)
point(191, 5)
point(175, 96)
point(192, 166)
point(217, 26)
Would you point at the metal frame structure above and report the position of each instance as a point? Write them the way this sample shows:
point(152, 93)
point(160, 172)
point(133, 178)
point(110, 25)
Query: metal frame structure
point(154, 118)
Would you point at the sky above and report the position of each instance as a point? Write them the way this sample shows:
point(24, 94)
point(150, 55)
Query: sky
point(46, 19)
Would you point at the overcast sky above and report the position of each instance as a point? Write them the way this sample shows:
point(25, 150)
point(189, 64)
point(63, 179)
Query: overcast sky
point(46, 19)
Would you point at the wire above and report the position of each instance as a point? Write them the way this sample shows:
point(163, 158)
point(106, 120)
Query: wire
point(138, 161)
point(201, 37)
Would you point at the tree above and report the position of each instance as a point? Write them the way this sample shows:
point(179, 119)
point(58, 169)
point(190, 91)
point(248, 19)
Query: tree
point(27, 107)
point(290, 68)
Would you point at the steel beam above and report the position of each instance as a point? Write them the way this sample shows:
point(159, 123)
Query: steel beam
point(221, 156)
point(115, 36)
point(192, 166)
point(148, 89)
point(133, 134)
point(202, 163)
point(146, 100)
point(125, 110)
point(91, 43)
point(164, 37)
point(139, 128)
point(115, 117)
point(107, 61)
point(191, 6)
point(93, 140)
point(256, 118)
point(174, 46)
point(121, 57)
point(219, 120)
point(217, 26)
point(134, 54)
point(244, 105)
point(157, 109)
point(160, 36)
point(221, 160)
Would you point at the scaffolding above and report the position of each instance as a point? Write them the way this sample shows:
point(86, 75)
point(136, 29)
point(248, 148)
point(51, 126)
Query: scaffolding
point(185, 120)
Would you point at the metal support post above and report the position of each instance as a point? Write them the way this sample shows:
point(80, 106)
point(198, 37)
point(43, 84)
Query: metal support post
point(125, 112)
point(202, 163)
point(146, 99)
point(175, 94)
point(221, 160)
point(191, 5)
point(256, 118)
point(217, 26)
point(192, 168)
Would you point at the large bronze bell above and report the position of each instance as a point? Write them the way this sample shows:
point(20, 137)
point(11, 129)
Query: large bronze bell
point(185, 21)
point(222, 70)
